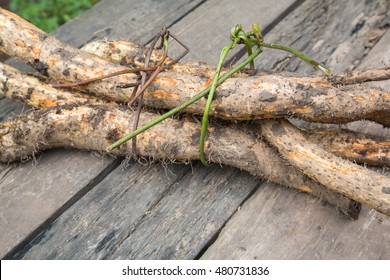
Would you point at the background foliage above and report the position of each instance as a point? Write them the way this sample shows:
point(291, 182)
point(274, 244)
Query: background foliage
point(50, 14)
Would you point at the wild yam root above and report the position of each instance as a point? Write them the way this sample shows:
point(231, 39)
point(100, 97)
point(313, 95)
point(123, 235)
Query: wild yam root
point(342, 176)
point(95, 127)
point(94, 123)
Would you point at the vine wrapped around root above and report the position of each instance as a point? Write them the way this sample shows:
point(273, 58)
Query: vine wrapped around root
point(76, 119)
point(347, 144)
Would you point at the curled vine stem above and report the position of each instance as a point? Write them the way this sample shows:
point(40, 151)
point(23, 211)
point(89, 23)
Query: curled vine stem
point(237, 35)
point(250, 39)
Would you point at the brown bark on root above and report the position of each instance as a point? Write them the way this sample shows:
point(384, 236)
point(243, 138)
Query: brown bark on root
point(241, 97)
point(29, 90)
point(353, 146)
point(351, 180)
point(273, 96)
point(347, 144)
point(96, 127)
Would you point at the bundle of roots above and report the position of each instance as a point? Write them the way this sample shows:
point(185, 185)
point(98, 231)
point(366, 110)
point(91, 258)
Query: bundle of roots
point(249, 129)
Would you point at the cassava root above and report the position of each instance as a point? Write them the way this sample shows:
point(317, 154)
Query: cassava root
point(130, 54)
point(59, 61)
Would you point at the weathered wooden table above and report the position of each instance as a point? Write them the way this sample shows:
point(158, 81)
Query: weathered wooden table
point(71, 204)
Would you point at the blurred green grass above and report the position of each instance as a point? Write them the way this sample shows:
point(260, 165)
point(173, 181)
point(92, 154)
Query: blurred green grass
point(49, 14)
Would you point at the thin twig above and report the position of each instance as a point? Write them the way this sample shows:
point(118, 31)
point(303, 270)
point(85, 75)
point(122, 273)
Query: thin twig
point(361, 76)
point(98, 78)
point(144, 84)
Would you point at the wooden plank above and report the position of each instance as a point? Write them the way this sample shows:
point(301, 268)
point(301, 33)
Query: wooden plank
point(379, 56)
point(339, 39)
point(31, 192)
point(184, 220)
point(288, 225)
point(208, 27)
point(107, 215)
point(122, 218)
point(9, 108)
point(137, 21)
point(264, 228)
point(86, 167)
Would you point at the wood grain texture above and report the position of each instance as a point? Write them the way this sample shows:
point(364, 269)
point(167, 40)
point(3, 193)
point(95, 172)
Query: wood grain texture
point(104, 218)
point(32, 191)
point(379, 55)
point(208, 27)
point(145, 213)
point(73, 32)
point(9, 108)
point(264, 228)
point(133, 20)
point(287, 225)
point(336, 33)
point(185, 220)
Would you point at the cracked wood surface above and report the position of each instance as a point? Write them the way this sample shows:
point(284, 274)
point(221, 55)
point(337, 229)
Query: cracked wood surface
point(169, 219)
